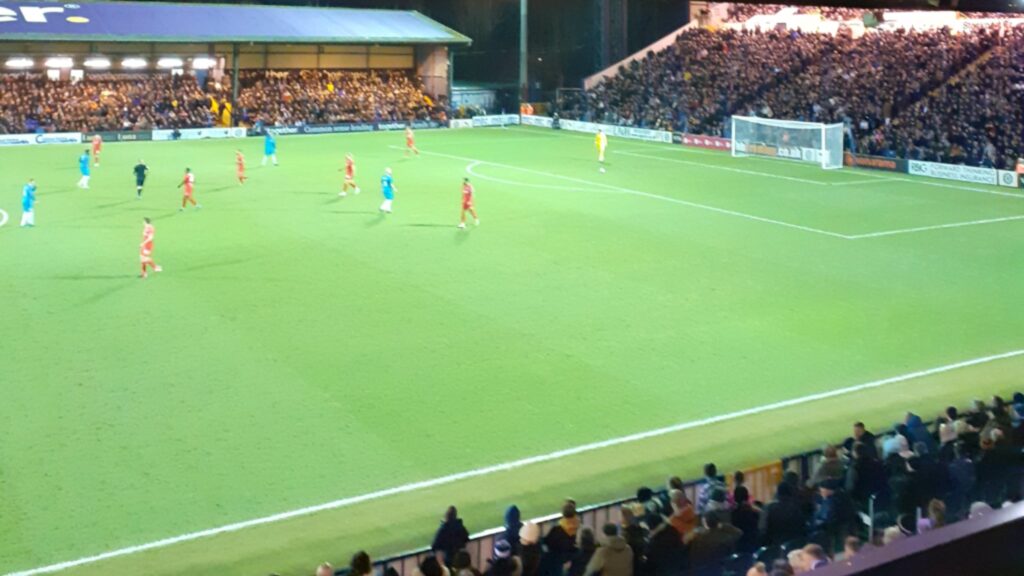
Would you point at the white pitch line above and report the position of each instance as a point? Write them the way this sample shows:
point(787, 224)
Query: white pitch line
point(935, 227)
point(644, 194)
point(488, 470)
point(924, 182)
point(867, 181)
point(3, 218)
point(727, 168)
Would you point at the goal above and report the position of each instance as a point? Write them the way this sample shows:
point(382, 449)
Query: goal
point(810, 142)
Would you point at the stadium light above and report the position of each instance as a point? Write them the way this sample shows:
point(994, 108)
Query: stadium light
point(134, 63)
point(203, 63)
point(170, 63)
point(59, 62)
point(19, 62)
point(97, 62)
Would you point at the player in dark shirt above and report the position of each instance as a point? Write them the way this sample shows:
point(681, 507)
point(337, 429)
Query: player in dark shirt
point(140, 177)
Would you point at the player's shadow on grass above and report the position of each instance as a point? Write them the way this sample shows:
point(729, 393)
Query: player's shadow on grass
point(91, 277)
point(381, 217)
point(423, 225)
point(353, 212)
point(112, 204)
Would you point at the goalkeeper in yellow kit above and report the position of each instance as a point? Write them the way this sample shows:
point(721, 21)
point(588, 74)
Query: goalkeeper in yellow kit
point(601, 142)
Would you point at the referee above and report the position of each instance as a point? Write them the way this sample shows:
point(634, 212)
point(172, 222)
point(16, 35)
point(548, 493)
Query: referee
point(140, 177)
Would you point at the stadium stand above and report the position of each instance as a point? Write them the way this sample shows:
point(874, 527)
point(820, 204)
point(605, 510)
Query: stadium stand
point(143, 102)
point(850, 499)
point(928, 94)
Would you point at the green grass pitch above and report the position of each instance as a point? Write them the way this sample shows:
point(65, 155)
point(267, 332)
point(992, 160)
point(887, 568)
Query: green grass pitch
point(299, 347)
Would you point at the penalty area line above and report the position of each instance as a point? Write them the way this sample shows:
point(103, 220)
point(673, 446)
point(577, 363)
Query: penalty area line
point(488, 470)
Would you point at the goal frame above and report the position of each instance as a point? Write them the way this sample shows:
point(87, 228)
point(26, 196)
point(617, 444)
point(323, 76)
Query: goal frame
point(822, 129)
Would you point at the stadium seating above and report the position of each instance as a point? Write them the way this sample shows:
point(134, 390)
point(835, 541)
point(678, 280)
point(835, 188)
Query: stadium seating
point(927, 94)
point(851, 498)
point(107, 102)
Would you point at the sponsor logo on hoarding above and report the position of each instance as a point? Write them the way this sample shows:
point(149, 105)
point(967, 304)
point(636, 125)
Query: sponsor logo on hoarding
point(1009, 178)
point(875, 162)
point(42, 138)
point(709, 142)
point(953, 172)
point(39, 14)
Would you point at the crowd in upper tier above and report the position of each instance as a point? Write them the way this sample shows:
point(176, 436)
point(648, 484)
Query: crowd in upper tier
point(929, 94)
point(104, 102)
point(914, 478)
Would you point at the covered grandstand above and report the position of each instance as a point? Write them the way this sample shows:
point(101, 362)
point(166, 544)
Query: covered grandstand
point(220, 45)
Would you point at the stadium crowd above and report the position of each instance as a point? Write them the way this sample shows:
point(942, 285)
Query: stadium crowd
point(102, 102)
point(915, 478)
point(927, 94)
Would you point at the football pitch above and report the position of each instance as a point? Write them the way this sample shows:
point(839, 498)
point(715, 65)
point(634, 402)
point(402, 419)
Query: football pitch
point(300, 348)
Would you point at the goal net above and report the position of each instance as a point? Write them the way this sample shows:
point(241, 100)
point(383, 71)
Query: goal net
point(811, 142)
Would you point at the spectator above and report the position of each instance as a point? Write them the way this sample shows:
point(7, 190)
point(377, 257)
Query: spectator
point(830, 467)
point(936, 517)
point(851, 547)
point(530, 548)
point(462, 565)
point(783, 519)
point(707, 487)
point(325, 569)
point(865, 476)
point(586, 545)
point(451, 536)
point(746, 518)
point(635, 536)
point(502, 562)
point(614, 557)
point(560, 542)
point(962, 478)
point(758, 569)
point(360, 564)
point(664, 554)
point(816, 557)
point(513, 524)
point(713, 543)
point(684, 517)
point(862, 435)
point(431, 566)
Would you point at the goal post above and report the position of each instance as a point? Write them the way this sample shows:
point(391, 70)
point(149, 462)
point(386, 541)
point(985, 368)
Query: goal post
point(811, 142)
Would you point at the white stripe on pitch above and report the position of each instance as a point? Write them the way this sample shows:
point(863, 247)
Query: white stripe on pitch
point(442, 480)
point(936, 227)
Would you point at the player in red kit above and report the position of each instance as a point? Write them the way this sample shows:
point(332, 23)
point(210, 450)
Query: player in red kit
point(146, 248)
point(467, 204)
point(410, 142)
point(189, 182)
point(97, 147)
point(240, 166)
point(350, 176)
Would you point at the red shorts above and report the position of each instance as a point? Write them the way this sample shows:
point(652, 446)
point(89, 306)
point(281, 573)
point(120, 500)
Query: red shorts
point(188, 193)
point(410, 143)
point(467, 205)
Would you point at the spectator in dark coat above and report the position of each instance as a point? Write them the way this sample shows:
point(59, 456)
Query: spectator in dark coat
point(746, 518)
point(862, 435)
point(962, 479)
point(451, 536)
point(513, 524)
point(560, 542)
point(664, 554)
point(713, 543)
point(865, 476)
point(783, 519)
point(635, 536)
point(586, 544)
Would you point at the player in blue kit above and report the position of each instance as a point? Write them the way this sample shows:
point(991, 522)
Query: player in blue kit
point(387, 188)
point(83, 169)
point(28, 204)
point(269, 148)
